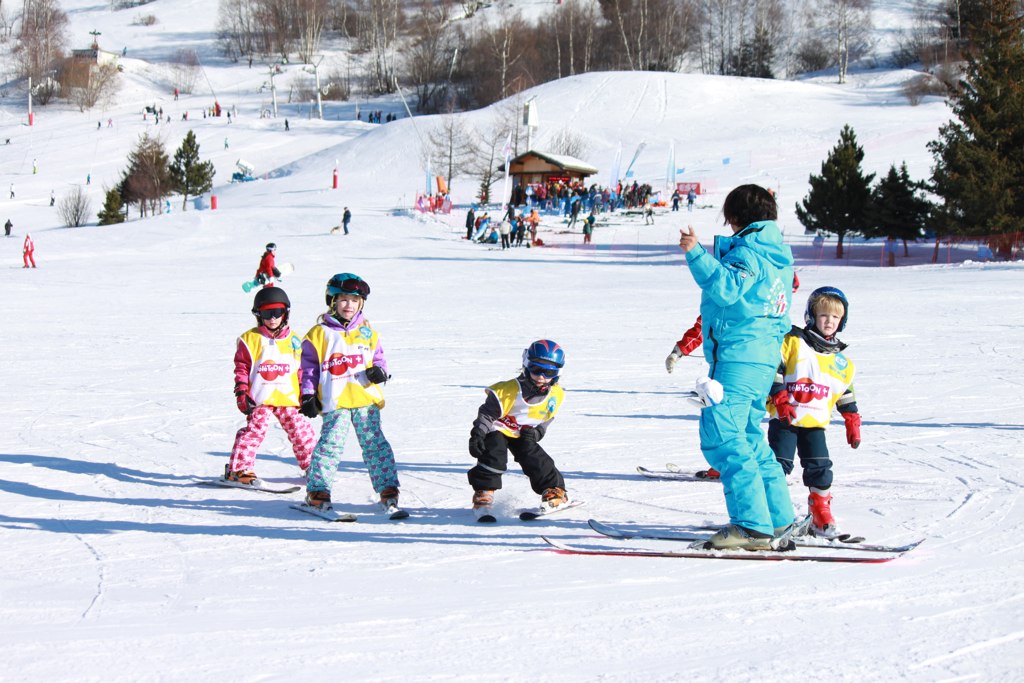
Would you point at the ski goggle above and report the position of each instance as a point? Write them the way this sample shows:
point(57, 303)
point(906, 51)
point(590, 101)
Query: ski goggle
point(349, 286)
point(276, 312)
point(542, 371)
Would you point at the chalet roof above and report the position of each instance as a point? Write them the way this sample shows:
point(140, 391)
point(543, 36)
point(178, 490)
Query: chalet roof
point(560, 160)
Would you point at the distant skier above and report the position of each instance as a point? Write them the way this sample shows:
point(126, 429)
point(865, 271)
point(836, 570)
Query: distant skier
point(267, 360)
point(514, 417)
point(799, 408)
point(7, 228)
point(28, 252)
point(267, 271)
point(691, 197)
point(346, 218)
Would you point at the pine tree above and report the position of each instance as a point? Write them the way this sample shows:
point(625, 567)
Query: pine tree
point(840, 198)
point(979, 169)
point(111, 212)
point(189, 175)
point(897, 210)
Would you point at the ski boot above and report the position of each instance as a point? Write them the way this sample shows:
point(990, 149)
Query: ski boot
point(389, 503)
point(320, 500)
point(247, 477)
point(709, 473)
point(483, 506)
point(735, 537)
point(552, 498)
point(823, 524)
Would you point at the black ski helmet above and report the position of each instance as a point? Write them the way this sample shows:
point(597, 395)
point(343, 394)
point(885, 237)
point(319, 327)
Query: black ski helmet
point(833, 292)
point(271, 246)
point(271, 297)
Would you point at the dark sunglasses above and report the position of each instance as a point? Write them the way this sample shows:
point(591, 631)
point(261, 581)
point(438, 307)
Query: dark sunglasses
point(351, 286)
point(550, 373)
point(269, 313)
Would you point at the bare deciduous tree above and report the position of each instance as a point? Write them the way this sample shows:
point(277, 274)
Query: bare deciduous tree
point(452, 147)
point(849, 22)
point(185, 69)
point(75, 207)
point(430, 59)
point(42, 38)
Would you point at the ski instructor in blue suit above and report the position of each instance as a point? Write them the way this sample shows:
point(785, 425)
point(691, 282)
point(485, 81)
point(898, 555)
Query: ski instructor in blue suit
point(746, 288)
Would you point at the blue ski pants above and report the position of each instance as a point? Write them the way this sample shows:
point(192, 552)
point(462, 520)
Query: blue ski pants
point(731, 438)
point(377, 453)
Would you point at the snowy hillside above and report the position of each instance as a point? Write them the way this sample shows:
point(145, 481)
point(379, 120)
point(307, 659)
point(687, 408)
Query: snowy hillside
point(118, 350)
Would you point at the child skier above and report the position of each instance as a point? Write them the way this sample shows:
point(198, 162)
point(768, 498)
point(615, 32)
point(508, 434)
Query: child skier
point(343, 368)
point(514, 417)
point(814, 377)
point(267, 270)
point(267, 384)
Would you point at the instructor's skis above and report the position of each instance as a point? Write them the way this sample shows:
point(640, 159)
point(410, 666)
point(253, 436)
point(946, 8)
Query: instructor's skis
point(799, 555)
point(617, 531)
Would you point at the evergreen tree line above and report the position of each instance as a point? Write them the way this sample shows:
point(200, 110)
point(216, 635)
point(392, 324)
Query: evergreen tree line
point(977, 184)
point(151, 177)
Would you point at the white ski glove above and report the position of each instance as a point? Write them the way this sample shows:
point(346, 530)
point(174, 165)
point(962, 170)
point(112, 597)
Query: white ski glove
point(709, 393)
point(673, 358)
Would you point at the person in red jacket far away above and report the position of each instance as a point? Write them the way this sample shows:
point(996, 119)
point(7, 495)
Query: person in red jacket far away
point(28, 254)
point(267, 270)
point(692, 339)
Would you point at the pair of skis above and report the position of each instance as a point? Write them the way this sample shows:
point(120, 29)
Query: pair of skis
point(327, 513)
point(806, 548)
point(485, 515)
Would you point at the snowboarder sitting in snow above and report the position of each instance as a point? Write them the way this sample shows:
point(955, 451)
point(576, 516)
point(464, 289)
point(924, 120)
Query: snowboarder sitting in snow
point(267, 270)
point(515, 418)
point(343, 368)
point(267, 384)
point(814, 377)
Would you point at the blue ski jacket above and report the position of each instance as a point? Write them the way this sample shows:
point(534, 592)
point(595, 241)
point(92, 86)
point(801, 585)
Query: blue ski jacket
point(746, 287)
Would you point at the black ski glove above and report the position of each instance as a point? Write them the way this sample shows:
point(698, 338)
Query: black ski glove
point(310, 405)
point(377, 375)
point(476, 444)
point(529, 434)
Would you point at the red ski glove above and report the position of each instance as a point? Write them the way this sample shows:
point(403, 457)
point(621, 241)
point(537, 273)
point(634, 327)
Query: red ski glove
point(783, 408)
point(243, 400)
point(852, 428)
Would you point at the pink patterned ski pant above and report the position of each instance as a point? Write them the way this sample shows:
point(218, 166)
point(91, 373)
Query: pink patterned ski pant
point(248, 439)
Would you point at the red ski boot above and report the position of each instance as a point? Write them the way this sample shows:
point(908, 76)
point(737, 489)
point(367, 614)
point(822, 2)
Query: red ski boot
point(823, 524)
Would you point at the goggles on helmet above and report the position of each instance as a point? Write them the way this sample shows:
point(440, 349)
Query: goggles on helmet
point(349, 286)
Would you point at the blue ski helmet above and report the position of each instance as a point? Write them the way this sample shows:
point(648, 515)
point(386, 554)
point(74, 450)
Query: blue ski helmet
point(346, 283)
point(544, 356)
point(820, 292)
